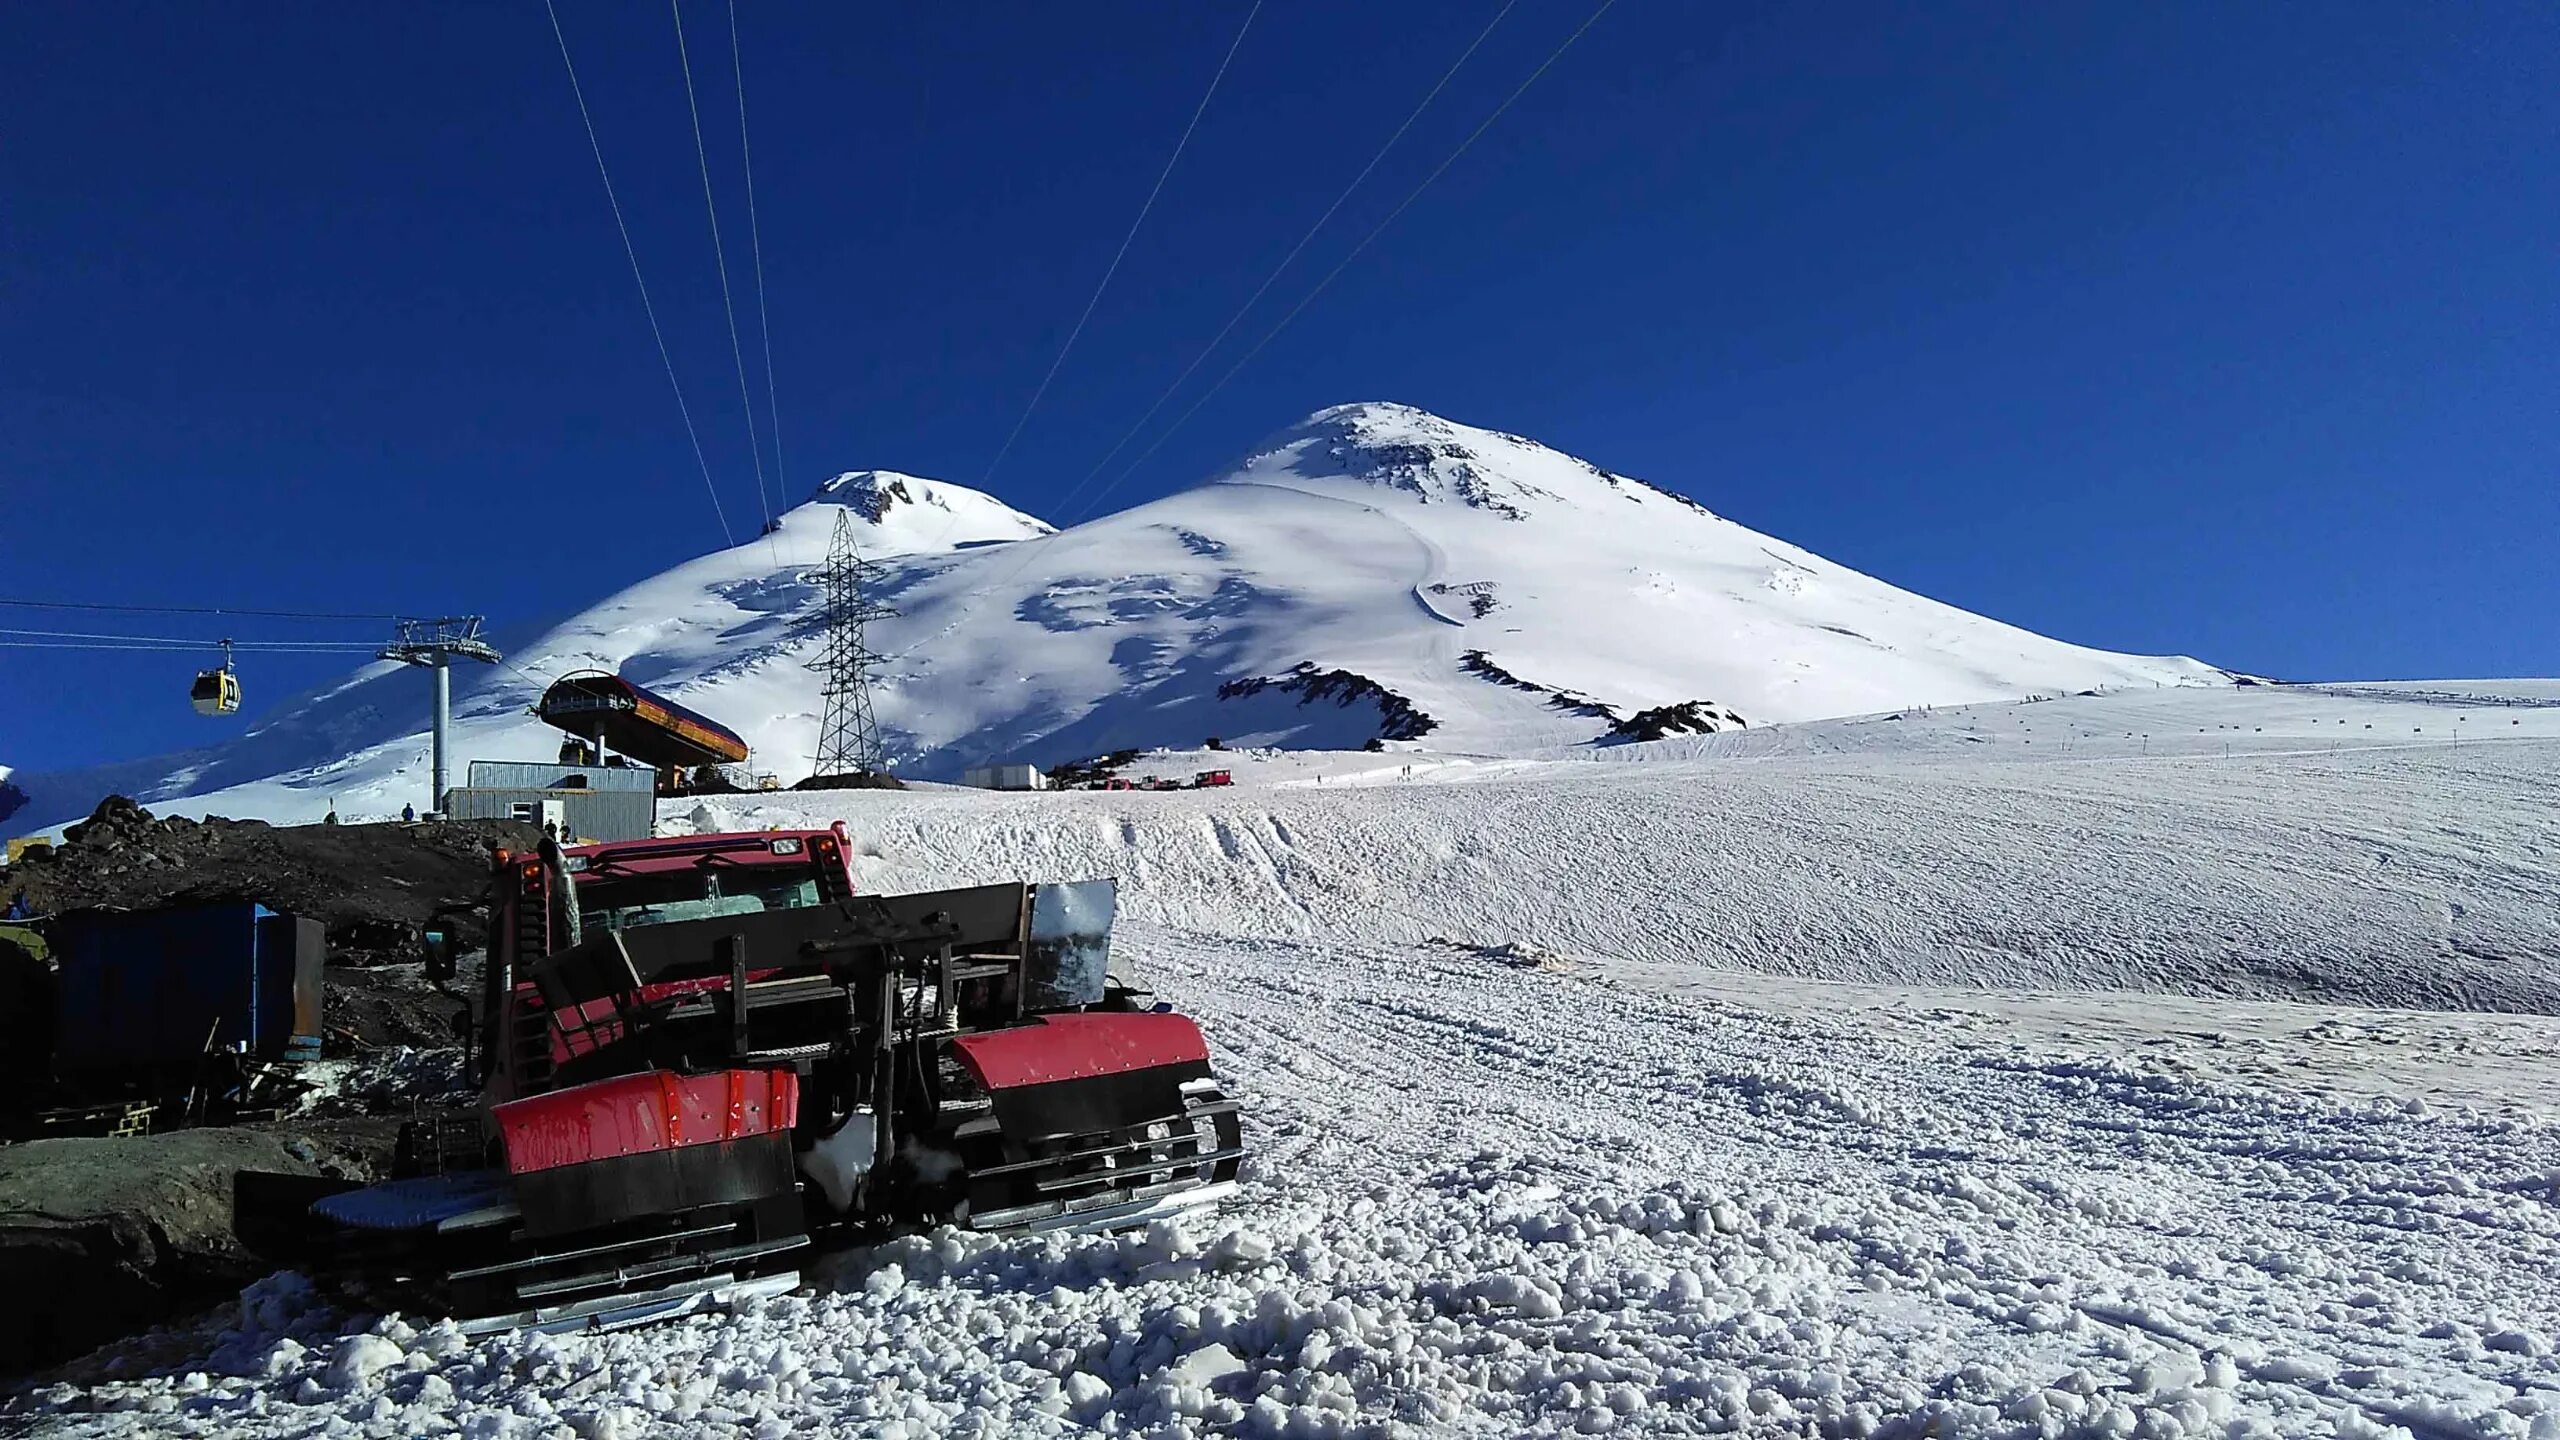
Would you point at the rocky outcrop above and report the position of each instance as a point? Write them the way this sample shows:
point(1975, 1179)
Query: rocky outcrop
point(1689, 717)
point(373, 886)
point(1572, 702)
point(871, 494)
point(1397, 717)
point(102, 1237)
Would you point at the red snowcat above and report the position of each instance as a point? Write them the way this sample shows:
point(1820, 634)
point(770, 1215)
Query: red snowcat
point(700, 1056)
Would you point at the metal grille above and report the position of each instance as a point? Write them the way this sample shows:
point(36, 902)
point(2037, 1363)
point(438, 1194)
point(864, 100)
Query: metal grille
point(533, 775)
point(592, 814)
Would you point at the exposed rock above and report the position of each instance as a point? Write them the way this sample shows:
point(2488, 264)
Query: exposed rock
point(870, 494)
point(117, 1235)
point(1481, 599)
point(1397, 717)
point(1572, 702)
point(1689, 717)
point(853, 780)
point(1080, 774)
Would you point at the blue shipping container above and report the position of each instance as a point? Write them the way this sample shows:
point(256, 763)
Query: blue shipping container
point(152, 988)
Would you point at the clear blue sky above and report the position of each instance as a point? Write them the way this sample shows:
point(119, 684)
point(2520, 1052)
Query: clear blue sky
point(2226, 329)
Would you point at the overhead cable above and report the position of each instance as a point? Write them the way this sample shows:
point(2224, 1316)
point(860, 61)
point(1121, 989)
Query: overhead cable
point(1122, 253)
point(720, 261)
point(1066, 517)
point(197, 610)
point(1355, 252)
point(655, 333)
point(755, 247)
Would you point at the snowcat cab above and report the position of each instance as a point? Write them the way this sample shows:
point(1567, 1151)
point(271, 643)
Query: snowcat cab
point(700, 1055)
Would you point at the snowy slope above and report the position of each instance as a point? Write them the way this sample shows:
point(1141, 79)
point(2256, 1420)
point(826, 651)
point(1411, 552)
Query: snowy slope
point(1490, 1200)
point(1392, 546)
point(1561, 1174)
point(724, 631)
point(2279, 849)
point(1374, 571)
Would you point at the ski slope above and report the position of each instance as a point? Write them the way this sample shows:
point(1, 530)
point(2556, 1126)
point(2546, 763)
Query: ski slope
point(1551, 1135)
point(2200, 842)
point(1490, 1200)
point(1374, 571)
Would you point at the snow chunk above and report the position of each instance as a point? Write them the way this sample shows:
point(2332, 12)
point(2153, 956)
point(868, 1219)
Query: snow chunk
point(360, 1358)
point(1205, 1366)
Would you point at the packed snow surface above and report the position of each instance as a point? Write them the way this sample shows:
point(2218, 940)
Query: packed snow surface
point(2279, 843)
point(1373, 571)
point(1549, 1138)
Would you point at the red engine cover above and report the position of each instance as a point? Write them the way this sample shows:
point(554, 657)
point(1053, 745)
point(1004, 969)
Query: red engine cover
point(632, 1114)
point(1079, 1046)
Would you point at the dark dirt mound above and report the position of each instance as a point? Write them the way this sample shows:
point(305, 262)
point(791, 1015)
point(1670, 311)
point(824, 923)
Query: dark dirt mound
point(386, 1005)
point(853, 780)
point(115, 1235)
point(118, 1234)
point(1084, 774)
point(373, 886)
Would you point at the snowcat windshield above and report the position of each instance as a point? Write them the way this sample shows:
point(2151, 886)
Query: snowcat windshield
point(626, 902)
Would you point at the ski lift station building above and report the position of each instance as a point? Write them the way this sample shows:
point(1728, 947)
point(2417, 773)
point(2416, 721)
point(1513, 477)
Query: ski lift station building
point(596, 802)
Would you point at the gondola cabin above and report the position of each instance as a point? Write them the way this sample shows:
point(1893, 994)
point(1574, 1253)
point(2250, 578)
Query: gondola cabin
point(216, 692)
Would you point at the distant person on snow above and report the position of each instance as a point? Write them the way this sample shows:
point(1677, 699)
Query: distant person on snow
point(408, 812)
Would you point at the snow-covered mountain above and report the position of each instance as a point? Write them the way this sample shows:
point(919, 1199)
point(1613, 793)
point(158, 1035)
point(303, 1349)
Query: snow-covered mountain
point(1372, 572)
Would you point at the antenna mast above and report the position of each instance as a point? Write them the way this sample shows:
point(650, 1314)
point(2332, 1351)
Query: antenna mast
point(848, 736)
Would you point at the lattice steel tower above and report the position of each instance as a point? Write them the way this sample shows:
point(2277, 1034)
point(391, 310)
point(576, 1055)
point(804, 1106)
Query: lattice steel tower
point(848, 737)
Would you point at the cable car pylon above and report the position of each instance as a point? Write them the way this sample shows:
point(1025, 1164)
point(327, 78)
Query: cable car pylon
point(434, 644)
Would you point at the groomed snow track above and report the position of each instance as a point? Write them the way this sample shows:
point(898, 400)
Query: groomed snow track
point(1492, 1198)
point(1519, 1183)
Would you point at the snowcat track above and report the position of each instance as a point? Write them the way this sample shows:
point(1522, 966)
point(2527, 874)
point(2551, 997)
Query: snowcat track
point(1114, 1179)
point(489, 1275)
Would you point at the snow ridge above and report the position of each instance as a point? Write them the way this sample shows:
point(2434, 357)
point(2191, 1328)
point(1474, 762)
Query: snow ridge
point(1376, 541)
point(877, 494)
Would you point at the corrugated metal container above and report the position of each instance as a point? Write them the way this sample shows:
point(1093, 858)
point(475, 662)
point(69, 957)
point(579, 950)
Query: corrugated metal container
point(592, 814)
point(1005, 777)
point(147, 988)
point(530, 775)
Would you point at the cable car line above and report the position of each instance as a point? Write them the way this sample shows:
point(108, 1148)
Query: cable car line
point(198, 610)
point(720, 262)
point(162, 648)
point(1029, 547)
point(755, 248)
point(177, 642)
point(1067, 517)
point(1167, 173)
point(602, 173)
point(1365, 240)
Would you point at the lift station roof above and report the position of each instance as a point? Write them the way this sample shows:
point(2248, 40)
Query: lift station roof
point(636, 722)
